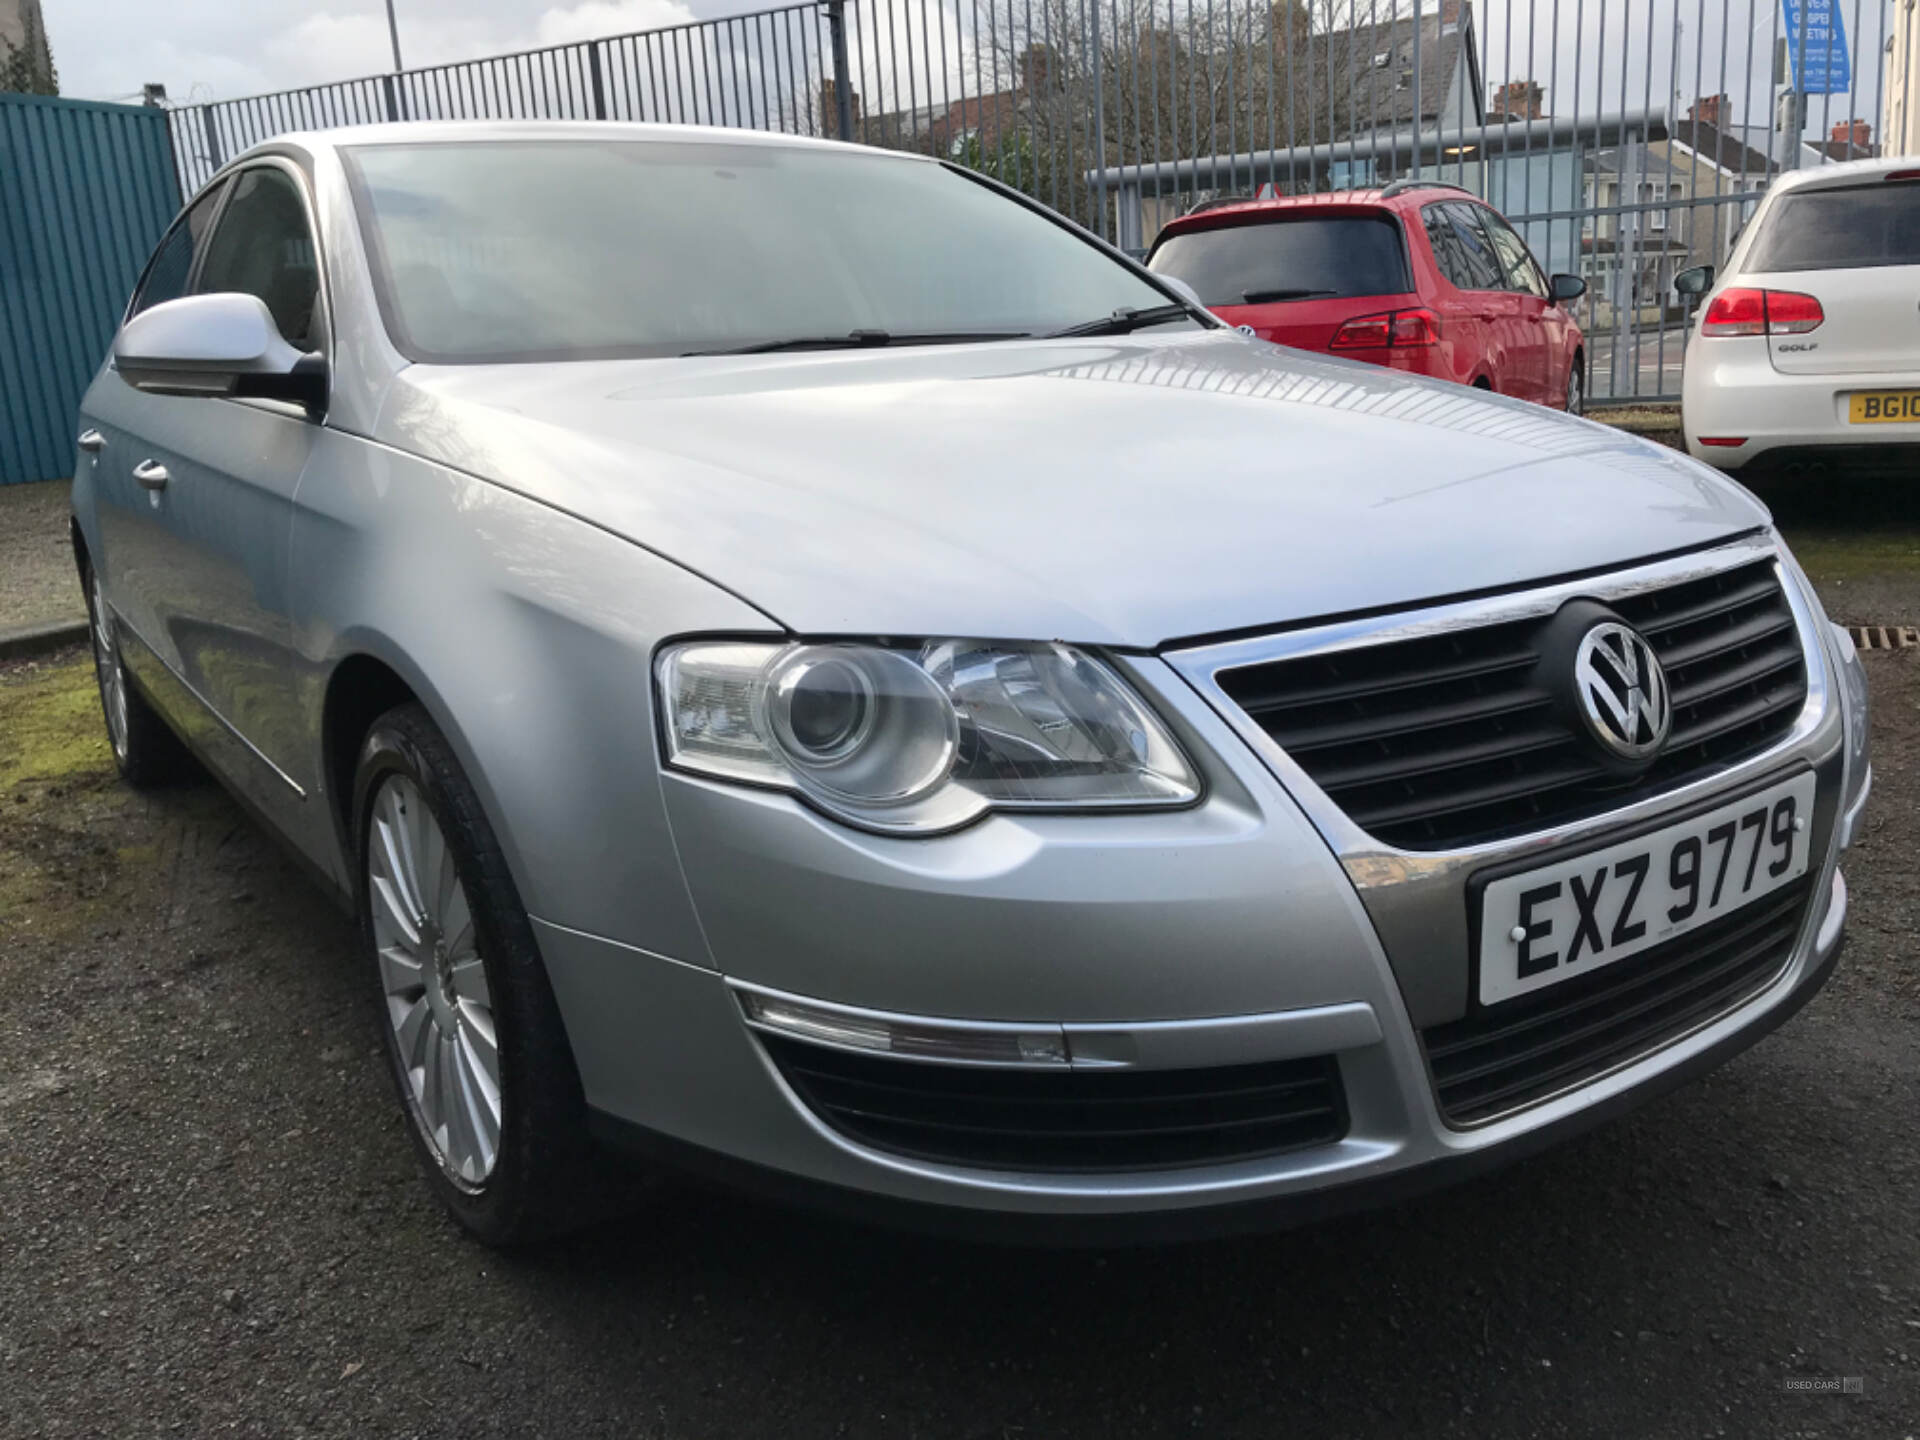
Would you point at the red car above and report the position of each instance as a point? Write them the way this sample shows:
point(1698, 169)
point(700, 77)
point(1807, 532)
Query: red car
point(1420, 276)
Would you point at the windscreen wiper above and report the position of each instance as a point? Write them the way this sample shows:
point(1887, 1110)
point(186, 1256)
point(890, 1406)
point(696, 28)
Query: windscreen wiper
point(1267, 297)
point(864, 340)
point(1125, 320)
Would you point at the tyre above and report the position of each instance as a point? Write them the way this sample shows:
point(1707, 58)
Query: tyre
point(472, 1033)
point(1576, 388)
point(144, 749)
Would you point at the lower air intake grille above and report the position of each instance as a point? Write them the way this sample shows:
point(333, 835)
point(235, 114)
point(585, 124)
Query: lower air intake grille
point(1067, 1120)
point(1524, 1050)
point(1454, 738)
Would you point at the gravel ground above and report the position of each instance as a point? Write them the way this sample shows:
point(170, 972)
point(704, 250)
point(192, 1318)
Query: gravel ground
point(37, 584)
point(210, 1220)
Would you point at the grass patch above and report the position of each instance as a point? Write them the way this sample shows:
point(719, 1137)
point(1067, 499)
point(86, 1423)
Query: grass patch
point(51, 729)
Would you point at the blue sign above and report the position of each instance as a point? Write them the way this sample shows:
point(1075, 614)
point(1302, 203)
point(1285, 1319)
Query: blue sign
point(1817, 47)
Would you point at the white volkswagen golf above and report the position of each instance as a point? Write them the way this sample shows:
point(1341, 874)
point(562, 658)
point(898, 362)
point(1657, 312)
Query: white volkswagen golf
point(1807, 350)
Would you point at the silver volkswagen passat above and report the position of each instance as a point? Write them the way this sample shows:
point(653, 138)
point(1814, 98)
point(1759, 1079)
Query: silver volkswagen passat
point(812, 668)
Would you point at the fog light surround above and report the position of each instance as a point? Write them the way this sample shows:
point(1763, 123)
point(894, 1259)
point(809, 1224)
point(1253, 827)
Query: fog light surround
point(1028, 1047)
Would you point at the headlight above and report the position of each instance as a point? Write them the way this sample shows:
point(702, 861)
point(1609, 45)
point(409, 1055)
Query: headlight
point(920, 740)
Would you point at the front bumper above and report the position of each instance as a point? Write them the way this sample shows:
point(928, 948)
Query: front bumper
point(1249, 930)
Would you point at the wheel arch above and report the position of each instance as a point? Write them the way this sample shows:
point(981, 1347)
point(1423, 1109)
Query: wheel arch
point(361, 688)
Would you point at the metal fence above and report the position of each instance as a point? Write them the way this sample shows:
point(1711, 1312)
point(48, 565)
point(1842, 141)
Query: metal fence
point(85, 190)
point(1627, 139)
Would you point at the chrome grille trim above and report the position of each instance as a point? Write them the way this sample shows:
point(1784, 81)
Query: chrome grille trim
point(1371, 863)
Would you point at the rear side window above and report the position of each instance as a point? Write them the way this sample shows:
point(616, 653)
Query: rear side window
point(1852, 229)
point(1461, 248)
point(263, 247)
point(1309, 258)
point(172, 264)
point(1516, 261)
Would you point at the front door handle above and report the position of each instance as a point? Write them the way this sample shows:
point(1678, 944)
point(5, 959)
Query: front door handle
point(151, 474)
point(92, 441)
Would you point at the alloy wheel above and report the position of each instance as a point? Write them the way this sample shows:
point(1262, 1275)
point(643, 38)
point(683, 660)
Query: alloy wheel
point(113, 677)
point(437, 996)
point(1575, 400)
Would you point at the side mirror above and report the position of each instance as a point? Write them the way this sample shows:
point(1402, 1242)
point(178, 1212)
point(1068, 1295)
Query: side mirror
point(1694, 282)
point(217, 345)
point(1181, 288)
point(1567, 288)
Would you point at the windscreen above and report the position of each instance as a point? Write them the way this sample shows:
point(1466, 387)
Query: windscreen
point(557, 250)
point(1311, 257)
point(1852, 229)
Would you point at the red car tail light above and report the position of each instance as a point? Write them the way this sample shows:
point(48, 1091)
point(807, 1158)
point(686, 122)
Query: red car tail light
point(1761, 312)
point(1364, 332)
point(1395, 328)
point(1791, 313)
point(1416, 327)
point(1736, 312)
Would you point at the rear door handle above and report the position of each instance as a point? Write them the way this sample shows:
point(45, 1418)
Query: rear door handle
point(151, 474)
point(92, 441)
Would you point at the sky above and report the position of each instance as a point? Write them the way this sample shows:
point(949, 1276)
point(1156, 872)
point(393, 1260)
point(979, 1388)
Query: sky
point(223, 49)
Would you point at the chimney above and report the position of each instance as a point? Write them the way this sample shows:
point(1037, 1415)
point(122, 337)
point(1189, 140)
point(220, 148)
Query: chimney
point(1707, 109)
point(1449, 13)
point(1858, 133)
point(1517, 100)
point(828, 102)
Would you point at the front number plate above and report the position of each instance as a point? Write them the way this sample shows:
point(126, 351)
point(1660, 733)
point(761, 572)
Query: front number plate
point(1569, 919)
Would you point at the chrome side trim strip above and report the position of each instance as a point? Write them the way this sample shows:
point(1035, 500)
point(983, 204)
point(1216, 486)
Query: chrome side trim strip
point(1141, 1045)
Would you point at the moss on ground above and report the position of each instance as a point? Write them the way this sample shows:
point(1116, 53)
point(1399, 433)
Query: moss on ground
point(51, 728)
point(56, 774)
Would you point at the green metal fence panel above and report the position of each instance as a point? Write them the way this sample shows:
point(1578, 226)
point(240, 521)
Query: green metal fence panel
point(85, 191)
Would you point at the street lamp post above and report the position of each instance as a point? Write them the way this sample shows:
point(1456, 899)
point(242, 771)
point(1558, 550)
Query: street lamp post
point(393, 33)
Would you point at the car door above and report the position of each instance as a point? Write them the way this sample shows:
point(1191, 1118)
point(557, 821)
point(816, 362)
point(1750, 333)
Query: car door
point(1529, 334)
point(128, 517)
point(1472, 313)
point(220, 479)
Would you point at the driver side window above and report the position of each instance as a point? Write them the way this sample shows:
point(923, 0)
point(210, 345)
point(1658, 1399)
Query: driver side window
point(263, 246)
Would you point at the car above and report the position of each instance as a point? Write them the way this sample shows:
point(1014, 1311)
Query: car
point(809, 668)
point(1419, 276)
point(1805, 351)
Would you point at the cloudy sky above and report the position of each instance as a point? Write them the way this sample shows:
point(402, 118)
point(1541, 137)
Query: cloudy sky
point(220, 49)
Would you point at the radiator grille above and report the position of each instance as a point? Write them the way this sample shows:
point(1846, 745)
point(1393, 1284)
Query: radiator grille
point(1523, 1050)
point(1078, 1120)
point(1455, 738)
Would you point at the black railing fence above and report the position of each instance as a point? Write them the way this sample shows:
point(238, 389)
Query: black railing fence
point(1627, 139)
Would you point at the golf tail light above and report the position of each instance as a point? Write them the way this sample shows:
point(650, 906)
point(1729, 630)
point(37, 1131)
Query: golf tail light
point(1791, 313)
point(1736, 312)
point(1761, 312)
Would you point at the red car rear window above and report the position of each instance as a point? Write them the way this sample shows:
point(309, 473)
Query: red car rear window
point(1308, 257)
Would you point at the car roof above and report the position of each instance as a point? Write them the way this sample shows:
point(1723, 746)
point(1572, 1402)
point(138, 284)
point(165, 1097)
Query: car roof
point(1231, 210)
point(1850, 172)
point(428, 132)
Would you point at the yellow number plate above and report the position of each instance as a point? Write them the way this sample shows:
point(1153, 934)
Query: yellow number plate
point(1883, 407)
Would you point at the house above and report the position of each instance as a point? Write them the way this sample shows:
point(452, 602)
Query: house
point(1693, 183)
point(1899, 114)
